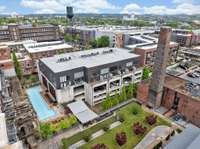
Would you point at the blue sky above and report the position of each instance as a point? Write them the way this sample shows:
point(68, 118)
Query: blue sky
point(101, 6)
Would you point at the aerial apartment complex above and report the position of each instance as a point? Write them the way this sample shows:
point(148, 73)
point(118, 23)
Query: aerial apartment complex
point(117, 34)
point(88, 75)
point(15, 32)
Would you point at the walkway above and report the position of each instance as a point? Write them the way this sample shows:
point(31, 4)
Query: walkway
point(156, 135)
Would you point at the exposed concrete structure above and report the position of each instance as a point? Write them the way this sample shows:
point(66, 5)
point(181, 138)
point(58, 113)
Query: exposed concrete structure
point(88, 75)
point(158, 76)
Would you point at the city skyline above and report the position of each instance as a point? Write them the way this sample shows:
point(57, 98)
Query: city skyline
point(161, 7)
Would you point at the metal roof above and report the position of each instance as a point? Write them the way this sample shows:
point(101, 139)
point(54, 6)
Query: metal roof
point(82, 112)
point(185, 139)
point(89, 58)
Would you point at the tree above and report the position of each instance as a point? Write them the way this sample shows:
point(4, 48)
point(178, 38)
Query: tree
point(130, 91)
point(17, 66)
point(151, 119)
point(46, 131)
point(93, 43)
point(103, 41)
point(67, 37)
point(100, 146)
point(121, 138)
point(107, 103)
point(123, 95)
point(146, 73)
point(138, 128)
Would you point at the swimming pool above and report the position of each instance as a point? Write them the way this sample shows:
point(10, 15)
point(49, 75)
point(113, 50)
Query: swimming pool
point(39, 104)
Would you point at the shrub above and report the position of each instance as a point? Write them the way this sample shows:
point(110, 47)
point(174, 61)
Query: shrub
point(46, 131)
point(86, 138)
point(151, 119)
point(100, 146)
point(121, 118)
point(138, 128)
point(105, 128)
point(121, 138)
point(135, 110)
point(178, 130)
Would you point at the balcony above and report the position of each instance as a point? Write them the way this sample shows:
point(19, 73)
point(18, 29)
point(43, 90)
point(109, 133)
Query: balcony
point(127, 80)
point(100, 89)
point(114, 85)
point(99, 98)
point(80, 96)
point(79, 89)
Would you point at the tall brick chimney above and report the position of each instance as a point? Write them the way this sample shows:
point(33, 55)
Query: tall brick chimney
point(159, 68)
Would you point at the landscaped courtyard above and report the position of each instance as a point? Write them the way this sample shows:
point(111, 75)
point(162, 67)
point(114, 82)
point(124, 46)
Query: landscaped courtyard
point(128, 115)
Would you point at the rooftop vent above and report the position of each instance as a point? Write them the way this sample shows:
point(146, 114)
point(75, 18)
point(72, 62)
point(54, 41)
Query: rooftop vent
point(90, 54)
point(65, 59)
point(108, 51)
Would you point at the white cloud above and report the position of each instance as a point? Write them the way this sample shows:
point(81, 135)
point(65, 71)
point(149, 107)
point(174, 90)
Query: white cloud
point(2, 9)
point(58, 6)
point(131, 8)
point(182, 1)
point(184, 8)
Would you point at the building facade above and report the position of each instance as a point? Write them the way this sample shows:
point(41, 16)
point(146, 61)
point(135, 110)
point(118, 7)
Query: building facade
point(88, 75)
point(6, 63)
point(29, 32)
point(36, 51)
point(147, 53)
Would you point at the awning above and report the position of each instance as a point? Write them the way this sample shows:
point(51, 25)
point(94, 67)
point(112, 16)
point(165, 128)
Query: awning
point(82, 112)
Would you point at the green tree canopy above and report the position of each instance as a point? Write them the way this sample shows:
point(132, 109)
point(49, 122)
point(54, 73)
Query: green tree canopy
point(67, 37)
point(146, 73)
point(17, 66)
point(103, 41)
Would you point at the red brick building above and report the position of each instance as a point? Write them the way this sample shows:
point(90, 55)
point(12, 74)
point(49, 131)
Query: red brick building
point(6, 63)
point(175, 97)
point(147, 53)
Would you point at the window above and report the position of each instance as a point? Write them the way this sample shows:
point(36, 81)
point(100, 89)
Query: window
point(129, 64)
point(63, 79)
point(78, 75)
point(104, 71)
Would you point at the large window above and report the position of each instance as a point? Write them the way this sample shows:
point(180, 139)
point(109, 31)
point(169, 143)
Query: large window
point(78, 75)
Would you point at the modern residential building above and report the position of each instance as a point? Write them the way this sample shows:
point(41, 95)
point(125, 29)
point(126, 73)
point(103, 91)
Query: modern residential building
point(118, 35)
point(36, 51)
point(88, 75)
point(14, 32)
point(6, 63)
point(186, 38)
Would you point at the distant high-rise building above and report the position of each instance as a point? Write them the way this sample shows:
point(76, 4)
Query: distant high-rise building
point(159, 68)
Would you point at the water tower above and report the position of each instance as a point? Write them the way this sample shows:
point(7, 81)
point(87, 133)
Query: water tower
point(70, 13)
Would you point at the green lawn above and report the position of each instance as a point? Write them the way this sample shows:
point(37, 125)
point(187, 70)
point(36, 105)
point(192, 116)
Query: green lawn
point(132, 140)
point(69, 141)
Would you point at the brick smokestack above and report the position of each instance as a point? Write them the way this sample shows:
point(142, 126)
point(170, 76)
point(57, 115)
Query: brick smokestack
point(159, 68)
